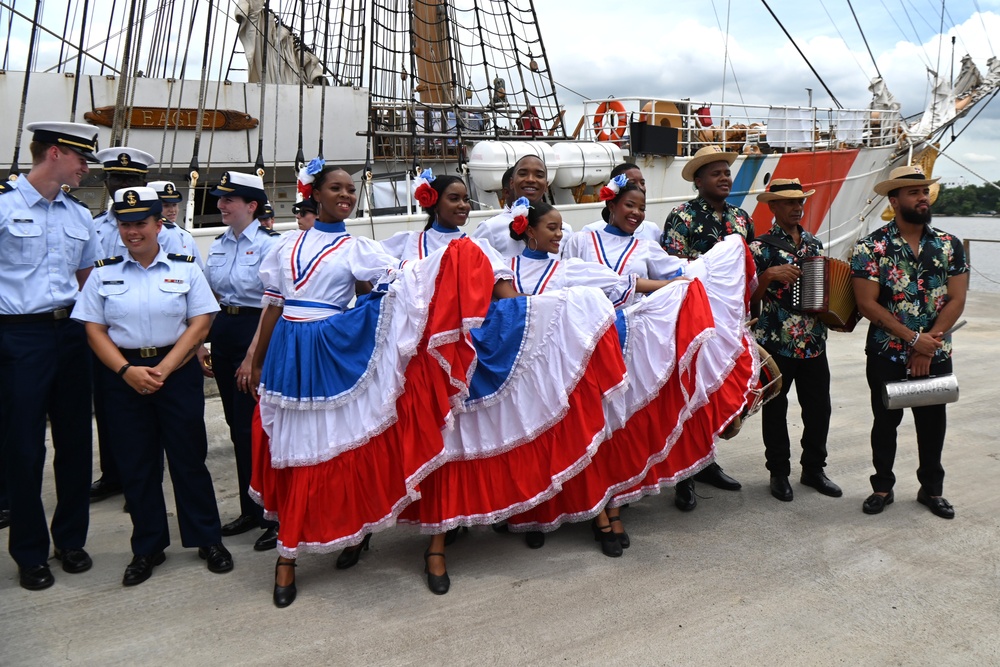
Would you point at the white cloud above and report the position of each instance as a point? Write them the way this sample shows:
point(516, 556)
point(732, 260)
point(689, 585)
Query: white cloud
point(978, 158)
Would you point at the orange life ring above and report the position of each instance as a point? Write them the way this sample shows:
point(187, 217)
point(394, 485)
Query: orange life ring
point(621, 121)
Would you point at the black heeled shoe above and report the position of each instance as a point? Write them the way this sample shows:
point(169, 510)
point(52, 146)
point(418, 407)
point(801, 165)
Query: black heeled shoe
point(349, 557)
point(609, 541)
point(284, 595)
point(622, 536)
point(452, 535)
point(438, 583)
point(535, 539)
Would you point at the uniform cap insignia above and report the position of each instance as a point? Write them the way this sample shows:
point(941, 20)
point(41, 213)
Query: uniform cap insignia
point(131, 198)
point(123, 159)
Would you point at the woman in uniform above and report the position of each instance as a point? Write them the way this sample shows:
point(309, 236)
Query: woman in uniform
point(146, 315)
point(232, 269)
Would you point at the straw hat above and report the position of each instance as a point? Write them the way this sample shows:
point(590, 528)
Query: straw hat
point(784, 188)
point(902, 177)
point(704, 156)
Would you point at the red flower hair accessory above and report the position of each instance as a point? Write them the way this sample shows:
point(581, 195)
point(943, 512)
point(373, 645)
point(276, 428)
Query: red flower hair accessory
point(520, 212)
point(307, 175)
point(611, 190)
point(425, 195)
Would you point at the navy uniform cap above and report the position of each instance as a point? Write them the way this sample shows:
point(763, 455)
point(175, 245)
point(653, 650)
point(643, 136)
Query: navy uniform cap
point(307, 205)
point(134, 204)
point(266, 212)
point(77, 137)
point(236, 184)
point(125, 160)
point(168, 192)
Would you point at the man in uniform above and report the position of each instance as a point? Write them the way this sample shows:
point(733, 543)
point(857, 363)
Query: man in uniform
point(691, 230)
point(47, 249)
point(795, 340)
point(180, 240)
point(910, 281)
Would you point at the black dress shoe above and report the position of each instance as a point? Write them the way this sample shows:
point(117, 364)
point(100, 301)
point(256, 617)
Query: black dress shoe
point(939, 506)
point(101, 489)
point(218, 558)
point(452, 535)
point(610, 545)
point(438, 583)
point(780, 488)
point(623, 538)
point(36, 577)
point(240, 525)
point(713, 476)
point(141, 568)
point(534, 539)
point(874, 504)
point(4, 518)
point(74, 561)
point(822, 483)
point(684, 498)
point(267, 541)
point(350, 556)
point(283, 595)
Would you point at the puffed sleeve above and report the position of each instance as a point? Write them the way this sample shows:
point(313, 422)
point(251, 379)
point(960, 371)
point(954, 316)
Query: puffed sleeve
point(200, 300)
point(270, 271)
point(90, 304)
point(370, 262)
point(620, 289)
point(659, 264)
point(576, 246)
point(501, 271)
point(396, 244)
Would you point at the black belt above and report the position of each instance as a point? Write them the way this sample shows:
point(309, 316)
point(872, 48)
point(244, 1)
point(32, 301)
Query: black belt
point(242, 310)
point(146, 352)
point(60, 314)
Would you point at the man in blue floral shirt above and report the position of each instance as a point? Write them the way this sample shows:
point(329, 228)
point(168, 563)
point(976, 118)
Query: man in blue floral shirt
point(796, 340)
point(692, 229)
point(910, 281)
point(695, 226)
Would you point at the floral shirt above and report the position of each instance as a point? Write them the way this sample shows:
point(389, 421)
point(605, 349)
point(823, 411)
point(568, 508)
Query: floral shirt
point(913, 289)
point(694, 227)
point(781, 330)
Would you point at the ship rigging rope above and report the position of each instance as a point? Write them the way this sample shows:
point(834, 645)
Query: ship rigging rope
point(732, 69)
point(259, 160)
point(14, 169)
point(979, 12)
point(79, 62)
point(6, 46)
point(132, 79)
point(182, 79)
point(218, 90)
point(863, 37)
point(813, 69)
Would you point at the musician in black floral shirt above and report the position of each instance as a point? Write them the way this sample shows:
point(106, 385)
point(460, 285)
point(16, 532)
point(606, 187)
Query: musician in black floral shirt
point(910, 281)
point(796, 340)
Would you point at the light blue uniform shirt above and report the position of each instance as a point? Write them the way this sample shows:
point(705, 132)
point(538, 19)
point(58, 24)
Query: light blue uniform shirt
point(42, 246)
point(145, 307)
point(171, 238)
point(233, 264)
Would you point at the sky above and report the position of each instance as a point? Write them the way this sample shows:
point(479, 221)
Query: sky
point(676, 49)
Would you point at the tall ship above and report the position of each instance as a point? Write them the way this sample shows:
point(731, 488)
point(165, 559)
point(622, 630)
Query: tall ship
point(387, 88)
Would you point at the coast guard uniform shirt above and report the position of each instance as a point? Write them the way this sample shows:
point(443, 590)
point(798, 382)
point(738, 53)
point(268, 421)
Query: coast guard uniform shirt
point(42, 246)
point(233, 263)
point(145, 307)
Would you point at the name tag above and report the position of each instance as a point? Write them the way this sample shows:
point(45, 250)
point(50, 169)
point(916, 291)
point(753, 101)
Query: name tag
point(113, 282)
point(176, 281)
point(22, 220)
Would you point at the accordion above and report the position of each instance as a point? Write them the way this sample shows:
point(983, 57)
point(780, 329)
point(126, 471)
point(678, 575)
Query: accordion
point(825, 288)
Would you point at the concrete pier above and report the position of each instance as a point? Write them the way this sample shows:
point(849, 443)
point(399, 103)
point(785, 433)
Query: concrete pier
point(744, 579)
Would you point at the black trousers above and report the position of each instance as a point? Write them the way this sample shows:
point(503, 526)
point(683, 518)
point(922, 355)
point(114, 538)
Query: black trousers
point(109, 469)
point(812, 387)
point(231, 336)
point(930, 422)
point(45, 372)
point(170, 421)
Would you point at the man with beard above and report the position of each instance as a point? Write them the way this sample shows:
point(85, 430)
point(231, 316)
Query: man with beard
point(691, 230)
point(795, 340)
point(910, 281)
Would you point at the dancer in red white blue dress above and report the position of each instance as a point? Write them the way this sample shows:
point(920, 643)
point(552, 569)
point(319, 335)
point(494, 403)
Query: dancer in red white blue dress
point(353, 400)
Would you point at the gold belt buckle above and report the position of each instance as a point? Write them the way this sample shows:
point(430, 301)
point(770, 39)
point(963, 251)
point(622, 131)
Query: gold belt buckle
point(147, 352)
point(232, 310)
point(60, 314)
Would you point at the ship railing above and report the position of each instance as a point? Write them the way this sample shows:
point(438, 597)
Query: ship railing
point(680, 127)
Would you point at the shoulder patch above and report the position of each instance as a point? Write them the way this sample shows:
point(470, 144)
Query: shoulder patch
point(180, 258)
point(97, 215)
point(108, 261)
point(167, 223)
point(5, 188)
point(220, 236)
point(72, 198)
point(270, 232)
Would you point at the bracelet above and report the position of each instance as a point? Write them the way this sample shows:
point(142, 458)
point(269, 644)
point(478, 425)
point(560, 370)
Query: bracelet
point(123, 369)
point(913, 341)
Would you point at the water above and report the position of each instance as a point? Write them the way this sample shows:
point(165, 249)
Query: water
point(984, 257)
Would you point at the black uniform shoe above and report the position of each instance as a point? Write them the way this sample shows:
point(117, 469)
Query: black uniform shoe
point(74, 561)
point(4, 518)
point(822, 483)
point(218, 558)
point(684, 498)
point(939, 506)
point(36, 577)
point(534, 539)
point(267, 541)
point(141, 568)
point(780, 488)
point(713, 476)
point(874, 504)
point(240, 525)
point(101, 489)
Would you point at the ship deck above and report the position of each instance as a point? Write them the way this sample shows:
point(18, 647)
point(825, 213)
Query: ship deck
point(743, 579)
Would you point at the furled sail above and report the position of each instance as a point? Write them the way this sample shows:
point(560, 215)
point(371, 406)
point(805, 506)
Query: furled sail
point(288, 59)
